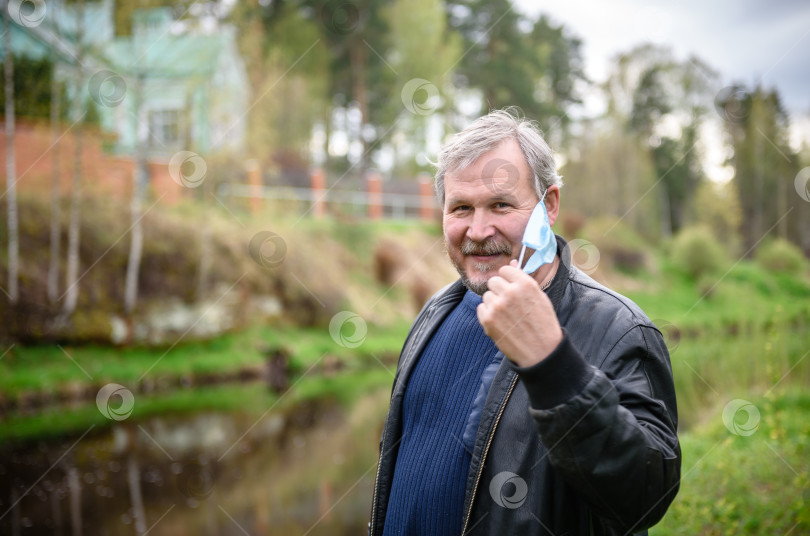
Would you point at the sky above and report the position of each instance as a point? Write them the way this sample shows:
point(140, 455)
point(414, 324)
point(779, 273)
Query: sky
point(746, 41)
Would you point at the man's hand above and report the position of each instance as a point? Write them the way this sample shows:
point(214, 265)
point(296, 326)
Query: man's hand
point(519, 317)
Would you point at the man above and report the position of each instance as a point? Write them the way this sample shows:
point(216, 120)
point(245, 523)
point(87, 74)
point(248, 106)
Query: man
point(537, 403)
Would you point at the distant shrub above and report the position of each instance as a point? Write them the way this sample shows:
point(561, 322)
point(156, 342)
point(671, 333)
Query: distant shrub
point(571, 224)
point(388, 256)
point(620, 247)
point(781, 256)
point(697, 252)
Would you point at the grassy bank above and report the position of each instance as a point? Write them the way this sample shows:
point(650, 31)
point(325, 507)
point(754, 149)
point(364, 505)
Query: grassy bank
point(744, 335)
point(746, 484)
point(173, 380)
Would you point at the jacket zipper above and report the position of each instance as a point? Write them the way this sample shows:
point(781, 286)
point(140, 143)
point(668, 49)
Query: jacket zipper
point(484, 457)
point(376, 485)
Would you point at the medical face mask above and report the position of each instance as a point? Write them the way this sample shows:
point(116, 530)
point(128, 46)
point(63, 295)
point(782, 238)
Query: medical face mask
point(540, 238)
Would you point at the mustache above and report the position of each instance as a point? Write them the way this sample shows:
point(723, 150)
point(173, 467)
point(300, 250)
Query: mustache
point(486, 247)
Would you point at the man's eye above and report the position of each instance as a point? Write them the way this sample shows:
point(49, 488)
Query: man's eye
point(502, 204)
point(462, 208)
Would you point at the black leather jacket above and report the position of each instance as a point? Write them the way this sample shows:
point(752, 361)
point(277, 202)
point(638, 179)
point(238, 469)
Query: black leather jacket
point(582, 443)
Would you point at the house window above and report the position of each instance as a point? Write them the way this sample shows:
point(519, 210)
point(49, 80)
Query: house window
point(164, 128)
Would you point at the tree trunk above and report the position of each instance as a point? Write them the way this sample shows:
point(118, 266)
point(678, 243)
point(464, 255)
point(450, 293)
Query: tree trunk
point(135, 495)
point(11, 166)
point(757, 201)
point(666, 218)
point(357, 56)
point(56, 212)
point(56, 511)
point(204, 270)
point(136, 244)
point(140, 179)
point(327, 128)
point(781, 204)
point(15, 508)
point(72, 281)
point(75, 495)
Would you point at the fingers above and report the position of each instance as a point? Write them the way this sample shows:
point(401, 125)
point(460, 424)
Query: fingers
point(507, 276)
point(511, 272)
point(482, 313)
point(497, 284)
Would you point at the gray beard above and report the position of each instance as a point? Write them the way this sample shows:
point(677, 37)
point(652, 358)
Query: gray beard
point(478, 288)
point(468, 247)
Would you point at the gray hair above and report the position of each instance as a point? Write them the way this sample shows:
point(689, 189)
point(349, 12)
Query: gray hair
point(486, 133)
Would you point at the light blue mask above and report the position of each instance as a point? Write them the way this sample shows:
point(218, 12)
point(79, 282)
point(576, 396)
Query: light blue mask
point(540, 238)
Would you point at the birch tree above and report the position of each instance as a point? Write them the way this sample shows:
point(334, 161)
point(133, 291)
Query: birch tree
point(11, 169)
point(140, 180)
point(56, 211)
point(72, 278)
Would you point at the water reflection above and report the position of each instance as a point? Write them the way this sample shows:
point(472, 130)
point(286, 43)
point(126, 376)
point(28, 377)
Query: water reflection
point(308, 470)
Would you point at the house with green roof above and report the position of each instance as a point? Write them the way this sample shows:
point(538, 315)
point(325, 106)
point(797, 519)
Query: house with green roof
point(188, 91)
point(164, 85)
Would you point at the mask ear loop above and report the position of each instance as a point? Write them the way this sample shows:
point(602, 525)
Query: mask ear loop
point(523, 248)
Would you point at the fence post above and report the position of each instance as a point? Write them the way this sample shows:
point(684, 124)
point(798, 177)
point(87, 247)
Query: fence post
point(254, 175)
point(427, 204)
point(374, 191)
point(317, 184)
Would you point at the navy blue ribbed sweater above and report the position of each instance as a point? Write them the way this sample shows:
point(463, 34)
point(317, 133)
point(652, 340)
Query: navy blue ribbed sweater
point(427, 494)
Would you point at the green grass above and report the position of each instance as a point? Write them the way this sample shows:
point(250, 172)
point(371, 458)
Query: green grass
point(253, 399)
point(718, 365)
point(47, 368)
point(345, 388)
point(747, 339)
point(56, 422)
point(744, 295)
point(755, 484)
point(34, 369)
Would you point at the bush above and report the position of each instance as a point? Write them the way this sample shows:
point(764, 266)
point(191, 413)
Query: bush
point(781, 256)
point(571, 224)
point(620, 247)
point(697, 252)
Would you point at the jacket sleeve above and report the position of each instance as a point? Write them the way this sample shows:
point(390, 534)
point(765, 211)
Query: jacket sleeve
point(611, 433)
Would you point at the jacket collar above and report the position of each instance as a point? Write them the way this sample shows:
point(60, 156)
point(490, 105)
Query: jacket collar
point(557, 288)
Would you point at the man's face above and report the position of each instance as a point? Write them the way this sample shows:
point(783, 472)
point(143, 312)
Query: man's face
point(486, 209)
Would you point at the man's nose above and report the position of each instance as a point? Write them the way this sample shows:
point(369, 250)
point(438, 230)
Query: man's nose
point(481, 227)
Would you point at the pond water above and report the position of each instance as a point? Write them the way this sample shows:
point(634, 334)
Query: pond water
point(307, 470)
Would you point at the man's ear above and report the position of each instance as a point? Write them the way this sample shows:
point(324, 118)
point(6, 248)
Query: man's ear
point(552, 202)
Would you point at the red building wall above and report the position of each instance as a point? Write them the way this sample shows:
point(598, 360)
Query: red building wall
point(102, 173)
